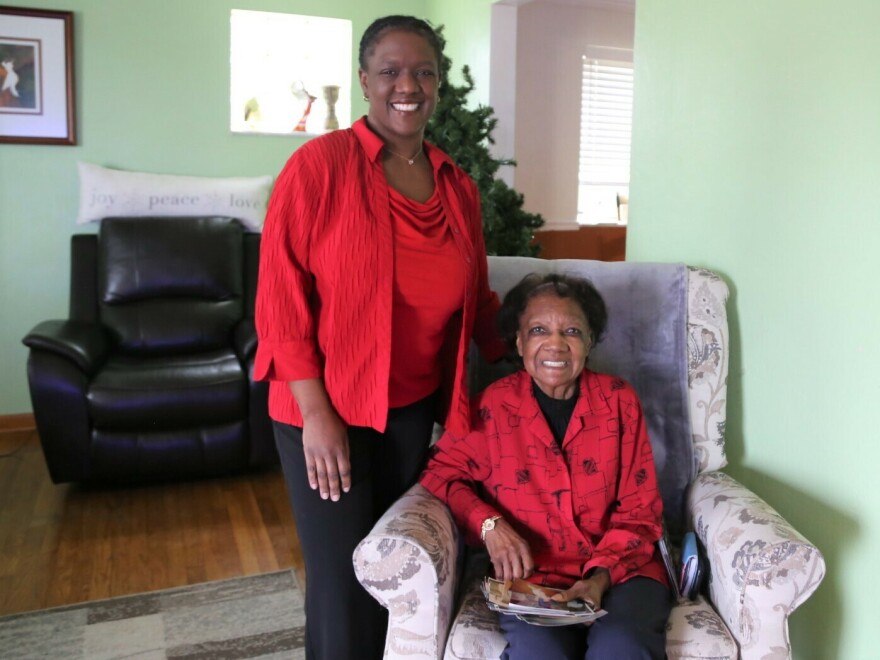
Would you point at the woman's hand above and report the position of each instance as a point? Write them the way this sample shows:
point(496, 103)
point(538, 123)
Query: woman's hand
point(325, 440)
point(589, 589)
point(509, 552)
point(325, 444)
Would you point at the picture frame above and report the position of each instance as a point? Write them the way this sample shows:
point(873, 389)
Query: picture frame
point(37, 102)
point(283, 77)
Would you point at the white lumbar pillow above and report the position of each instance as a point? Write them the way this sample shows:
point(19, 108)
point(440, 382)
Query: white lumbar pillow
point(107, 193)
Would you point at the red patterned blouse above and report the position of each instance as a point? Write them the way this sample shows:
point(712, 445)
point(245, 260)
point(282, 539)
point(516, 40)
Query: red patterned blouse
point(593, 502)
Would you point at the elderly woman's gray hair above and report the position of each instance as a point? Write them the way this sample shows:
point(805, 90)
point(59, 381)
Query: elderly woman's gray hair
point(578, 289)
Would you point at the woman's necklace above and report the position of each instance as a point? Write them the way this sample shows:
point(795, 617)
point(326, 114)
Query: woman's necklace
point(409, 161)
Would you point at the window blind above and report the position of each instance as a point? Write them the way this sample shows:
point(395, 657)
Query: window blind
point(606, 129)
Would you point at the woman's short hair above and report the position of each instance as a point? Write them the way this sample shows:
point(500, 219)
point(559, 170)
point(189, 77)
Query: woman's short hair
point(579, 289)
point(374, 32)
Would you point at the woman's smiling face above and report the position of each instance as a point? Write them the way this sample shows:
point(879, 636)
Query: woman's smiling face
point(554, 341)
point(400, 81)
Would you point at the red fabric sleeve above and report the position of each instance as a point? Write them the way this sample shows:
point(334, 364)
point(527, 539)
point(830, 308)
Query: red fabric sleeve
point(636, 523)
point(455, 467)
point(287, 348)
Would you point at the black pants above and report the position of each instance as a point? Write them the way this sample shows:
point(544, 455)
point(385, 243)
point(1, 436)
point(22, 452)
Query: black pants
point(342, 620)
point(633, 629)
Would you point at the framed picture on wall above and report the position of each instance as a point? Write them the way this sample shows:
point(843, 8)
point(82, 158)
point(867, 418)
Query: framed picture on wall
point(36, 76)
point(290, 74)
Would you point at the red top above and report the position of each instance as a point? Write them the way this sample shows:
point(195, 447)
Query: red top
point(324, 296)
point(428, 290)
point(594, 502)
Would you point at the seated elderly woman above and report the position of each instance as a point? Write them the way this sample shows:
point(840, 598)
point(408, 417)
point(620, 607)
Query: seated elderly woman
point(557, 479)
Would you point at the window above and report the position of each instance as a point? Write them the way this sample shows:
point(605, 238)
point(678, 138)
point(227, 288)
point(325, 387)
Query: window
point(289, 74)
point(606, 127)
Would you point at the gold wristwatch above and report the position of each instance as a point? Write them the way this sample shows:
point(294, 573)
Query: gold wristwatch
point(488, 526)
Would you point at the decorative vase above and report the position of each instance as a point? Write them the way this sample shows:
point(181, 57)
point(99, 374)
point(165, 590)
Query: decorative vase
point(331, 95)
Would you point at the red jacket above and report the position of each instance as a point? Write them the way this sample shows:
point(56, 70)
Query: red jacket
point(324, 297)
point(592, 503)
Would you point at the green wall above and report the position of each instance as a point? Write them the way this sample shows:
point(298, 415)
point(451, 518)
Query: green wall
point(152, 84)
point(756, 152)
point(466, 25)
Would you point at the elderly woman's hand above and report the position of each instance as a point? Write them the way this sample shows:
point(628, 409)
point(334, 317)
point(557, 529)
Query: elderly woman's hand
point(509, 552)
point(590, 589)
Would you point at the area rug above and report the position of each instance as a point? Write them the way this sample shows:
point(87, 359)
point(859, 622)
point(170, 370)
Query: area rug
point(259, 616)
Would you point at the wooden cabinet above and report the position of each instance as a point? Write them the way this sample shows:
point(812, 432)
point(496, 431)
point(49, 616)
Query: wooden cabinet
point(599, 242)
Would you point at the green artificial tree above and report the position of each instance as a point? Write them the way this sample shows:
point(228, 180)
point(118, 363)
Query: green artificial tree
point(465, 134)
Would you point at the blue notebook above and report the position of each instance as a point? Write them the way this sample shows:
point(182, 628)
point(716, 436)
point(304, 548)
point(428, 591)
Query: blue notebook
point(692, 566)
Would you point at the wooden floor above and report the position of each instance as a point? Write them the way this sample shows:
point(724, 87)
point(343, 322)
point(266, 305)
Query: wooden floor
point(66, 544)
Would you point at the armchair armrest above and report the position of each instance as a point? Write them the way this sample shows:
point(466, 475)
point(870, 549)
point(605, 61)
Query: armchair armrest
point(761, 568)
point(408, 563)
point(245, 339)
point(84, 343)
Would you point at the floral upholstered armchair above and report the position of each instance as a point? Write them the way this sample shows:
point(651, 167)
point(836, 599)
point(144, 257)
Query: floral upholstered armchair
point(667, 335)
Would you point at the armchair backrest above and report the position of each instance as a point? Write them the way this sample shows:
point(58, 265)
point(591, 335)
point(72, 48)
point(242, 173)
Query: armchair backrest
point(666, 335)
point(169, 285)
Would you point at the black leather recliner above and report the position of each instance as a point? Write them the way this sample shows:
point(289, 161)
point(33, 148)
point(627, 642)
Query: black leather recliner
point(150, 377)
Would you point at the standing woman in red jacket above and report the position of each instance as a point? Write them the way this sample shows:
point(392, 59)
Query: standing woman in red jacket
point(557, 479)
point(373, 280)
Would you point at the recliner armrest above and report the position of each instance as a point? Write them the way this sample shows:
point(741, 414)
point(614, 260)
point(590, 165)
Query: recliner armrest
point(84, 343)
point(408, 562)
point(761, 568)
point(245, 339)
